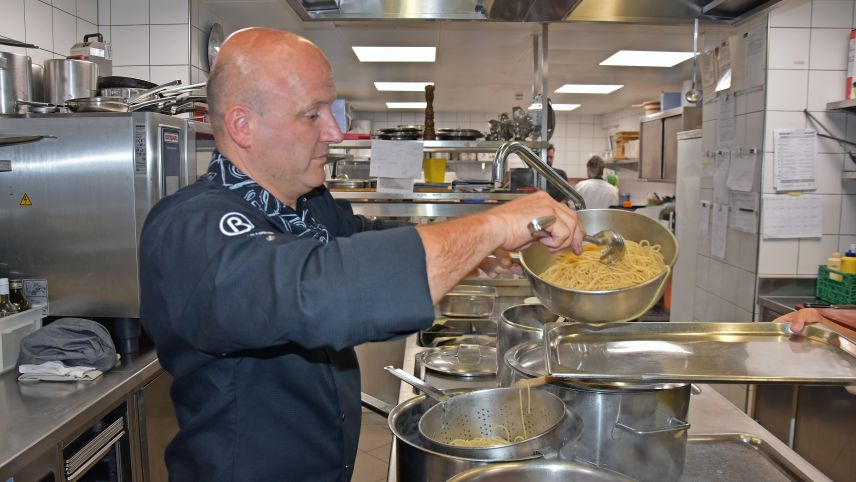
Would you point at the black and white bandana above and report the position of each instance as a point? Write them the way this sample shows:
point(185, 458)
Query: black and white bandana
point(297, 222)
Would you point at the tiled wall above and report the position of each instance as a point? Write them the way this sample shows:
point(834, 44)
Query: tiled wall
point(53, 27)
point(576, 137)
point(807, 69)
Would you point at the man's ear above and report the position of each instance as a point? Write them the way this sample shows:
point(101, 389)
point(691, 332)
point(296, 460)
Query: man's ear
point(237, 123)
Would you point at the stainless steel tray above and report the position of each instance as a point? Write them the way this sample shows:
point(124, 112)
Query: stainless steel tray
point(709, 352)
point(736, 457)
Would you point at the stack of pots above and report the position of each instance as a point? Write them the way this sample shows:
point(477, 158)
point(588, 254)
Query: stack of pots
point(637, 430)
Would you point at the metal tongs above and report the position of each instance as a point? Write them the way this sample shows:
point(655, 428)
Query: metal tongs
point(613, 241)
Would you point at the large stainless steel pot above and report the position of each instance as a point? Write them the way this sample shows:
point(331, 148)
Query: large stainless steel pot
point(15, 82)
point(610, 305)
point(519, 324)
point(540, 471)
point(638, 430)
point(69, 79)
point(38, 83)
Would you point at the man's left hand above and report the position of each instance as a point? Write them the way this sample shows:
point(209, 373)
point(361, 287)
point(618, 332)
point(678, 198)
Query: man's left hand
point(500, 263)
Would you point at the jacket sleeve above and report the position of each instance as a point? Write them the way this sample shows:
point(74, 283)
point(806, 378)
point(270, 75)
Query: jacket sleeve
point(224, 293)
point(350, 223)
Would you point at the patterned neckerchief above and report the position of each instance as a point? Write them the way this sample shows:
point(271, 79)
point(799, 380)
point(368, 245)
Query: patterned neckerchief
point(297, 222)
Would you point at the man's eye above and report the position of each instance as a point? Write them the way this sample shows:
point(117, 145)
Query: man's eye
point(313, 116)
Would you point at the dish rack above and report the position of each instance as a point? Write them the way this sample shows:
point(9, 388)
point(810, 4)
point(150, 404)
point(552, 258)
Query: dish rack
point(832, 291)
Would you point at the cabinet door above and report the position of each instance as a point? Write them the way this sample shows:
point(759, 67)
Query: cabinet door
point(651, 150)
point(671, 127)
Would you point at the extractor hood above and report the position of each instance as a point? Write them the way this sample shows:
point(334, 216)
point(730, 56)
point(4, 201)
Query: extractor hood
point(624, 11)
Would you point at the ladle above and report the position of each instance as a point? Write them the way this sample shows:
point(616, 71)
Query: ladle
point(613, 241)
point(692, 95)
point(432, 392)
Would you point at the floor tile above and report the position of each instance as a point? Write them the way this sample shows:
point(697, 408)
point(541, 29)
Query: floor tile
point(381, 452)
point(371, 418)
point(374, 436)
point(369, 469)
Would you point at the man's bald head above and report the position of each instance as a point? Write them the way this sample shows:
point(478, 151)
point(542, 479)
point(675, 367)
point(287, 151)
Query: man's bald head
point(253, 63)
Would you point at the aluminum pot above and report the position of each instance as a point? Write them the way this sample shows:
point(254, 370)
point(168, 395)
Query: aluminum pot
point(539, 471)
point(69, 79)
point(519, 324)
point(15, 82)
point(38, 83)
point(609, 305)
point(638, 430)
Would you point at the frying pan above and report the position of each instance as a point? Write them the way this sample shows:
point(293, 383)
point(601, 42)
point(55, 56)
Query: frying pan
point(124, 83)
point(84, 104)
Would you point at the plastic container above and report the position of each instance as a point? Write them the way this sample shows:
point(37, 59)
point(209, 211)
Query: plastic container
point(834, 263)
point(434, 169)
point(836, 292)
point(848, 262)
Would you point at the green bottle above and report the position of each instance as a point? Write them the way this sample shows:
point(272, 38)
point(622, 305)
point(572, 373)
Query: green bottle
point(6, 306)
point(16, 295)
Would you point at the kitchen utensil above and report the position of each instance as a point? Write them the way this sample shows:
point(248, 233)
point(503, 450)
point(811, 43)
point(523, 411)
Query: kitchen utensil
point(125, 93)
point(434, 393)
point(608, 305)
point(459, 134)
point(637, 429)
point(460, 360)
point(469, 301)
point(16, 74)
point(519, 324)
point(215, 40)
point(146, 94)
point(347, 183)
point(539, 471)
point(480, 331)
point(69, 79)
point(703, 352)
point(16, 43)
point(613, 241)
point(106, 82)
point(693, 94)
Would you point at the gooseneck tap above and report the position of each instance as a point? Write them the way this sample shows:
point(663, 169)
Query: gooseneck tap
point(533, 161)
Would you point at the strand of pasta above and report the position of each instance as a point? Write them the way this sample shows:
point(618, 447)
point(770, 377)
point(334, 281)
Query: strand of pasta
point(642, 261)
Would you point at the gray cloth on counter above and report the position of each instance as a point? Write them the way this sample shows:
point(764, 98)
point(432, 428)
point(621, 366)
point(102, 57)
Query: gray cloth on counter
point(72, 341)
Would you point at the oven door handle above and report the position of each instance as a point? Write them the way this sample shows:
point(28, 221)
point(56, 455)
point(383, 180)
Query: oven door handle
point(96, 458)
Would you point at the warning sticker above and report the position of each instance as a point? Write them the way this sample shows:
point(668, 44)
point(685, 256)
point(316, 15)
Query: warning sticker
point(25, 200)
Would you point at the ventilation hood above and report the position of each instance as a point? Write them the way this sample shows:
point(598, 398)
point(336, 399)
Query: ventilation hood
point(623, 11)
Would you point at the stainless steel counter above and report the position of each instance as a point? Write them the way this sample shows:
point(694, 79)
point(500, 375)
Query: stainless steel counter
point(36, 416)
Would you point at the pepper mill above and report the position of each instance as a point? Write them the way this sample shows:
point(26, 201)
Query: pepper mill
point(428, 134)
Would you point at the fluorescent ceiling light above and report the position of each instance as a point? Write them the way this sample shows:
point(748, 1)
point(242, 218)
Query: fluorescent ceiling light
point(555, 106)
point(406, 105)
point(647, 58)
point(402, 86)
point(396, 54)
point(588, 88)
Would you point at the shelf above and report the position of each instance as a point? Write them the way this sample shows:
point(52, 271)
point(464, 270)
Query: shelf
point(622, 164)
point(848, 105)
point(848, 175)
point(444, 146)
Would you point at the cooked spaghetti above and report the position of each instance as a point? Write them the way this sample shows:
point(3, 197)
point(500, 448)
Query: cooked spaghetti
point(499, 441)
point(642, 261)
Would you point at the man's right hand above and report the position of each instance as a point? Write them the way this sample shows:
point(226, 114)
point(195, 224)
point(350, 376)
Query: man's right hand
point(512, 218)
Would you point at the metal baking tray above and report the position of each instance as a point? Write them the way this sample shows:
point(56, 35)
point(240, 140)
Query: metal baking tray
point(736, 457)
point(703, 352)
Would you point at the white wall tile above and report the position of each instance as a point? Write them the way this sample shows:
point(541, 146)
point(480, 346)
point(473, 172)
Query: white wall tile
point(788, 48)
point(83, 28)
point(754, 130)
point(88, 10)
point(135, 71)
point(12, 20)
point(65, 31)
point(715, 275)
point(729, 283)
point(787, 89)
point(169, 44)
point(848, 214)
point(711, 308)
point(68, 6)
point(778, 256)
point(781, 120)
point(38, 55)
point(828, 173)
point(699, 304)
point(39, 22)
point(169, 11)
point(832, 13)
point(732, 251)
point(767, 174)
point(829, 48)
point(741, 315)
point(165, 73)
point(814, 252)
point(103, 12)
point(755, 100)
point(844, 242)
point(794, 13)
point(748, 256)
point(130, 44)
point(831, 213)
point(825, 86)
point(129, 12)
point(745, 289)
point(702, 267)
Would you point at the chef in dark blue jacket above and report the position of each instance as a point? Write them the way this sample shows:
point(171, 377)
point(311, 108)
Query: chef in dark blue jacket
point(256, 284)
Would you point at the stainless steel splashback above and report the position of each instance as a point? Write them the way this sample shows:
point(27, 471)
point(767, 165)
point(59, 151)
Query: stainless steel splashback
point(73, 207)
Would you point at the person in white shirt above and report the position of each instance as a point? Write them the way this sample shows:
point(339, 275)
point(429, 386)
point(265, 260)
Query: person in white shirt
point(597, 193)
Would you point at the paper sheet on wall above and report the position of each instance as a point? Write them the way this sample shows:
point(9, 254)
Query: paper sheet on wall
point(396, 159)
point(755, 44)
point(726, 122)
point(719, 230)
point(723, 66)
point(720, 177)
point(738, 62)
point(794, 159)
point(788, 216)
point(704, 227)
point(707, 67)
point(744, 212)
point(742, 169)
point(708, 164)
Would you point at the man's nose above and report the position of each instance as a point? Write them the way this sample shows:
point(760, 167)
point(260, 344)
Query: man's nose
point(332, 134)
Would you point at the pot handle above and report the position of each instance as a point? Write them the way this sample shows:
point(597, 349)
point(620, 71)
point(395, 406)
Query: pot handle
point(677, 427)
point(376, 405)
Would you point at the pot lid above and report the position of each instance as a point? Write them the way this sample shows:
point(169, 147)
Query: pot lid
point(461, 360)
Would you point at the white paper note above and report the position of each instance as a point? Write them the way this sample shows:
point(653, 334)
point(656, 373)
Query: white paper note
point(788, 216)
point(704, 227)
point(397, 159)
point(726, 122)
point(707, 66)
point(794, 159)
point(719, 230)
point(708, 164)
point(723, 60)
point(742, 169)
point(755, 42)
point(744, 212)
point(720, 177)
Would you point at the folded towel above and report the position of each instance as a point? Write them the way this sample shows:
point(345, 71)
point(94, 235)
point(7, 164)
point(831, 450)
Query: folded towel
point(54, 371)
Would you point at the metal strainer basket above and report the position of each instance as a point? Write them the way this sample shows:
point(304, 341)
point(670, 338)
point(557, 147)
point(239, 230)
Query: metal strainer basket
point(484, 413)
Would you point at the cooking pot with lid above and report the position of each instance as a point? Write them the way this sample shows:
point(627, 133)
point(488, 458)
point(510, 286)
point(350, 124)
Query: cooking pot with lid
point(519, 324)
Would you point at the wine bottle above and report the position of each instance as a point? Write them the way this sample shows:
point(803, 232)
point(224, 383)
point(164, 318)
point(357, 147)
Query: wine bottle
point(6, 306)
point(16, 295)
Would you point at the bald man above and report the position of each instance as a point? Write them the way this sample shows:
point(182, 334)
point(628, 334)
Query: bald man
point(256, 284)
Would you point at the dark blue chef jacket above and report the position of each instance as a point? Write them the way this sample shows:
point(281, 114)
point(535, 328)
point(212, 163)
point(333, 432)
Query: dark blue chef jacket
point(256, 326)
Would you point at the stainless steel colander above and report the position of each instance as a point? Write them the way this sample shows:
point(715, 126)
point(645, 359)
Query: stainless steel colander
point(484, 413)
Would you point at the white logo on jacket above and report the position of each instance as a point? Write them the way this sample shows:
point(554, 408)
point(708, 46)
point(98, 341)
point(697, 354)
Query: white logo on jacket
point(233, 224)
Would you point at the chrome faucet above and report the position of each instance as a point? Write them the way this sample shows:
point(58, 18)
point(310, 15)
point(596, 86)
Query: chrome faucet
point(539, 166)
